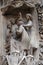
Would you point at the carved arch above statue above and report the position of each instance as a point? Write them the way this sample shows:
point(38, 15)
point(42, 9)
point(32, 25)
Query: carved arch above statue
point(16, 3)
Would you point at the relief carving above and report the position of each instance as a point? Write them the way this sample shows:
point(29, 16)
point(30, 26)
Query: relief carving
point(19, 40)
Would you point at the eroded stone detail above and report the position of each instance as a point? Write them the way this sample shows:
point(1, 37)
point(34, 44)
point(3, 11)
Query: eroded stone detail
point(19, 46)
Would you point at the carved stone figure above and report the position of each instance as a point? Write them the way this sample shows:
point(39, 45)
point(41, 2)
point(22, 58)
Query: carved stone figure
point(29, 21)
point(22, 41)
point(21, 31)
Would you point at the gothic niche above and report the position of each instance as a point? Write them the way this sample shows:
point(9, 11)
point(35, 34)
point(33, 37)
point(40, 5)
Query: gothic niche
point(19, 49)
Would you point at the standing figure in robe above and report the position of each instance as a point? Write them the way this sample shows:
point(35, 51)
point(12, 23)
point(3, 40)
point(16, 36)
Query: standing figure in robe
point(29, 25)
point(25, 40)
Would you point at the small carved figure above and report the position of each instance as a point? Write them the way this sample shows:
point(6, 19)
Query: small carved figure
point(29, 21)
point(22, 32)
point(12, 20)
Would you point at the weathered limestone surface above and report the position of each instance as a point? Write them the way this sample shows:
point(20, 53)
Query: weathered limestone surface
point(20, 34)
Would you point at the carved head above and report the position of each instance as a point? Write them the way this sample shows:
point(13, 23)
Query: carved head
point(12, 20)
point(29, 16)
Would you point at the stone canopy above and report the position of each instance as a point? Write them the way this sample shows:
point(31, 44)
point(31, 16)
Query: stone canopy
point(17, 3)
point(21, 3)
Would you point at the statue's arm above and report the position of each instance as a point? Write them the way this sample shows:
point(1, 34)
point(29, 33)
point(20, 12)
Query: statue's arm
point(29, 24)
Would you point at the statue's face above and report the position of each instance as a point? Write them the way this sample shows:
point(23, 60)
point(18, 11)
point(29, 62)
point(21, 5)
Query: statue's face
point(27, 16)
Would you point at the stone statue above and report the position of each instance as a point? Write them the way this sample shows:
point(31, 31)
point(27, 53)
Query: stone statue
point(28, 27)
point(20, 42)
point(29, 21)
point(21, 31)
point(21, 38)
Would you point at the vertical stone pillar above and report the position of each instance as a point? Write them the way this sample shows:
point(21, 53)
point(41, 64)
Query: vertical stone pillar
point(2, 34)
point(1, 38)
point(36, 33)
